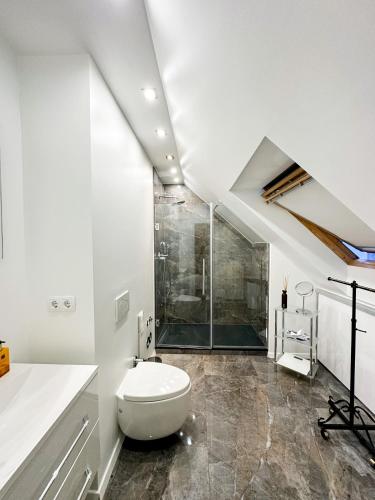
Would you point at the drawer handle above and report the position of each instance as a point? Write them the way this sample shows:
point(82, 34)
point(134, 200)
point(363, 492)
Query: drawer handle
point(86, 422)
point(88, 474)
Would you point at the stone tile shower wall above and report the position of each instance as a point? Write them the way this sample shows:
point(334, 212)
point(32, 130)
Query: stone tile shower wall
point(240, 280)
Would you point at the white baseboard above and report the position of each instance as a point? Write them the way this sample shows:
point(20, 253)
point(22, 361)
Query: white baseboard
point(99, 493)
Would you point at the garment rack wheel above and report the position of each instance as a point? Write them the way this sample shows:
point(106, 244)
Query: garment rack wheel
point(325, 435)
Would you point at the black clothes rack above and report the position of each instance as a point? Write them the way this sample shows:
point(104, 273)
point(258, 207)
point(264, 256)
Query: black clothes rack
point(352, 415)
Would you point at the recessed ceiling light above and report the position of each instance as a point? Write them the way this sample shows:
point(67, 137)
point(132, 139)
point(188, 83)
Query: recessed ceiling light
point(176, 179)
point(149, 94)
point(174, 170)
point(170, 157)
point(161, 133)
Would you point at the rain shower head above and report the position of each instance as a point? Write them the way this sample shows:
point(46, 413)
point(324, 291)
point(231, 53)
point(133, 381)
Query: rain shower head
point(171, 196)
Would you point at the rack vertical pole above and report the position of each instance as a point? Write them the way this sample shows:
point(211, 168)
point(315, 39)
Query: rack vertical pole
point(353, 351)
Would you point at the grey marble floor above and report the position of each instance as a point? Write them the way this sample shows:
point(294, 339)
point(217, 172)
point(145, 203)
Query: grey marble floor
point(252, 434)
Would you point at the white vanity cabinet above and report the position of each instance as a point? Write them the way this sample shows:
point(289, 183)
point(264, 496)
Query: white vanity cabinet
point(63, 464)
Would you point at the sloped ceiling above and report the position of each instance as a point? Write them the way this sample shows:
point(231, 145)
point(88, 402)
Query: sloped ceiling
point(300, 73)
point(233, 72)
point(311, 200)
point(316, 204)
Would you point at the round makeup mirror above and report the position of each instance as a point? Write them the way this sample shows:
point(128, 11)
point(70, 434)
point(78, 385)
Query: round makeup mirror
point(304, 289)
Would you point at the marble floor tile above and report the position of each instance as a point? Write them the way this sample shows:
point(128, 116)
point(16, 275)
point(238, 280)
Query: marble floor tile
point(251, 434)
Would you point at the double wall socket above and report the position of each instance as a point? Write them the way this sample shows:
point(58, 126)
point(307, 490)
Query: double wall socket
point(64, 303)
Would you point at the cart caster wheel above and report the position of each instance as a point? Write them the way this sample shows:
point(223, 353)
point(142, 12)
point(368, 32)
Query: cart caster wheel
point(324, 434)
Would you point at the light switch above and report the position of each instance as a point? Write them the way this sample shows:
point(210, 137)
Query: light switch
point(121, 306)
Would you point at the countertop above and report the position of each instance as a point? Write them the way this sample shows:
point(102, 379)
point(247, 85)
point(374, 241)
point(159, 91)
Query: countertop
point(33, 397)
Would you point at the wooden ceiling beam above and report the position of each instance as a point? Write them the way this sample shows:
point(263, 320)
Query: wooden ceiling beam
point(288, 178)
point(298, 181)
point(330, 240)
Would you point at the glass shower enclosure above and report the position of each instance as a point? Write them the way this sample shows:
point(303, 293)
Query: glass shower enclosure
point(211, 281)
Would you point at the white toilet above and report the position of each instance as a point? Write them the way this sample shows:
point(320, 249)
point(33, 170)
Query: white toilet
point(153, 401)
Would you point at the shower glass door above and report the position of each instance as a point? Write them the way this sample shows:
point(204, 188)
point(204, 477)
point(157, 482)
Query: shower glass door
point(240, 287)
point(182, 273)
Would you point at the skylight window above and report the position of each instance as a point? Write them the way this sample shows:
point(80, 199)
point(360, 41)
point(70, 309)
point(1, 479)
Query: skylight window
point(359, 252)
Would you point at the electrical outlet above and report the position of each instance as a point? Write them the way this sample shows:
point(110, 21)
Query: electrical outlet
point(68, 303)
point(62, 303)
point(54, 304)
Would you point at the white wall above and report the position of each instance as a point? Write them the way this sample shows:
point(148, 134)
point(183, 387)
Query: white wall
point(89, 223)
point(334, 322)
point(335, 336)
point(281, 266)
point(122, 187)
point(334, 347)
point(57, 181)
point(13, 305)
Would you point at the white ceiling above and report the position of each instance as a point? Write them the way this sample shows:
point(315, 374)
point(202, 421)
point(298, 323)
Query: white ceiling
point(315, 203)
point(233, 72)
point(300, 73)
point(116, 34)
point(266, 163)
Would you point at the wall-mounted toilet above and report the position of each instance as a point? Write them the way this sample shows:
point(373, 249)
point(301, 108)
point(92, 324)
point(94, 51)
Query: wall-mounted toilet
point(153, 401)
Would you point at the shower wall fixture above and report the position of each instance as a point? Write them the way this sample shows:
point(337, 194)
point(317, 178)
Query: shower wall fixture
point(211, 282)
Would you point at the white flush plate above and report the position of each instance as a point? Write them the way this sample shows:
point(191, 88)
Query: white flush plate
point(121, 306)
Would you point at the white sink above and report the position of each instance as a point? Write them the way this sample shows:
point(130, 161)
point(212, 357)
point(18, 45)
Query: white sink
point(32, 398)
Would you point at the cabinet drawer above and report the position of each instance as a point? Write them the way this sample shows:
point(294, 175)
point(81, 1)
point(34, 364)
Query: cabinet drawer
point(49, 465)
point(80, 477)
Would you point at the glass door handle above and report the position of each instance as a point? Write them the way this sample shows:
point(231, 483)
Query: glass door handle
point(203, 277)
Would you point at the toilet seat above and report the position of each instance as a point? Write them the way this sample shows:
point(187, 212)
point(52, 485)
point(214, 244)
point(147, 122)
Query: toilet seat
point(153, 382)
point(153, 401)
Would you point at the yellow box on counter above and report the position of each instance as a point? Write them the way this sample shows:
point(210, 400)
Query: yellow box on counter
point(4, 359)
